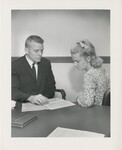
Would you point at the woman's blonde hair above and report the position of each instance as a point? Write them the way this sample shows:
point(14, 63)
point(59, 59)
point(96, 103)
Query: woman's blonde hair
point(86, 48)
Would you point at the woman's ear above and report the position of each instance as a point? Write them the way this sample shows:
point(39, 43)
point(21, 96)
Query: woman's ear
point(88, 59)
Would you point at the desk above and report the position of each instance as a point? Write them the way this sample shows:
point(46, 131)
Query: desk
point(95, 119)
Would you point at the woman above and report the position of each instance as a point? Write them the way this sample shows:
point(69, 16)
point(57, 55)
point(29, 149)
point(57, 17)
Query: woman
point(96, 80)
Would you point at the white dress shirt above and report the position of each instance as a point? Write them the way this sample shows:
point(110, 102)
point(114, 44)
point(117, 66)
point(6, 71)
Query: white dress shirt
point(31, 65)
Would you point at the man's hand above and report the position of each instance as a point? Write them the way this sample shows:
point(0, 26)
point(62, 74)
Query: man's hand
point(38, 99)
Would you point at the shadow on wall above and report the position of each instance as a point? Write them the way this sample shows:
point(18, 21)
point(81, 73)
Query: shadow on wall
point(76, 79)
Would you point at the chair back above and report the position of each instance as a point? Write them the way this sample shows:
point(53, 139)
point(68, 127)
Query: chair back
point(106, 98)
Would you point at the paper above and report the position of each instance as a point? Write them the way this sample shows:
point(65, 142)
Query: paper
point(13, 104)
point(54, 103)
point(32, 107)
point(66, 132)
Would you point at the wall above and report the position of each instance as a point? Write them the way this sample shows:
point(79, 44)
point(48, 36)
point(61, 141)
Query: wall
point(68, 78)
point(60, 29)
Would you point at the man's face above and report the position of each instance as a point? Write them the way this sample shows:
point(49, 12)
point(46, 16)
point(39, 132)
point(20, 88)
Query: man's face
point(34, 51)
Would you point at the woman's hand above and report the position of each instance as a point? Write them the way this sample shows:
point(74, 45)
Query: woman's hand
point(80, 99)
point(81, 102)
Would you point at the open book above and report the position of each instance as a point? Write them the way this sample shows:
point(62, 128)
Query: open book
point(54, 103)
point(66, 132)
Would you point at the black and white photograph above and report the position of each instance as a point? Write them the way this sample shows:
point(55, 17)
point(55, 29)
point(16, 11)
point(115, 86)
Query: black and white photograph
point(74, 66)
point(62, 75)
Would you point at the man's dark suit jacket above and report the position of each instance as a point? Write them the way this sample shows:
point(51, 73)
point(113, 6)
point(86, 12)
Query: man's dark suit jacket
point(24, 84)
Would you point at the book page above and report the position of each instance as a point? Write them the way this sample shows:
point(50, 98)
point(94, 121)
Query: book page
point(32, 107)
point(65, 132)
point(54, 103)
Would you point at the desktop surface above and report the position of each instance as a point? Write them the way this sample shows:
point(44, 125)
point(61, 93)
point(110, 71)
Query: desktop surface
point(94, 119)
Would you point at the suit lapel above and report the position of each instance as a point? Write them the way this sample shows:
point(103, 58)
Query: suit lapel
point(28, 68)
point(40, 72)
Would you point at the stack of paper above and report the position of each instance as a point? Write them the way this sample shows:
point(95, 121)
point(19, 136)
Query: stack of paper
point(54, 103)
point(65, 132)
point(13, 104)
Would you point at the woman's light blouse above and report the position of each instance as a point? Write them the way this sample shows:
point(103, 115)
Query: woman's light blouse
point(96, 82)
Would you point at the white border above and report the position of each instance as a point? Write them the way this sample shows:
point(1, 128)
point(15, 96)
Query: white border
point(8, 143)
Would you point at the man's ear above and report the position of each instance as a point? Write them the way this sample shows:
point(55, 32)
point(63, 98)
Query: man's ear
point(88, 59)
point(26, 50)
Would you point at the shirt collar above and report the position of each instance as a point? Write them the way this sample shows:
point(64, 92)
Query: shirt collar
point(29, 60)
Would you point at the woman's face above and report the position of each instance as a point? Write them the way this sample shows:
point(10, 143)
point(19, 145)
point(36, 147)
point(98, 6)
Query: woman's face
point(79, 61)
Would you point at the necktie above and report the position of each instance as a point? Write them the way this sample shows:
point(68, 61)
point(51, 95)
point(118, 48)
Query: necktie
point(34, 70)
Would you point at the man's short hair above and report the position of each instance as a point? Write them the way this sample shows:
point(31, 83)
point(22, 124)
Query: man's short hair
point(34, 38)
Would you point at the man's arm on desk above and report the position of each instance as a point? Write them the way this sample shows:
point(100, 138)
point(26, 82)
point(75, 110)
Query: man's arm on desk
point(38, 99)
point(49, 90)
point(19, 95)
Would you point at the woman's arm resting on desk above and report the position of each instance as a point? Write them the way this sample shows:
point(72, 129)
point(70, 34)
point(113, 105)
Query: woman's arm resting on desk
point(82, 102)
point(86, 97)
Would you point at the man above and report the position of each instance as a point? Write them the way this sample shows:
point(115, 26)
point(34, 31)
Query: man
point(32, 76)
